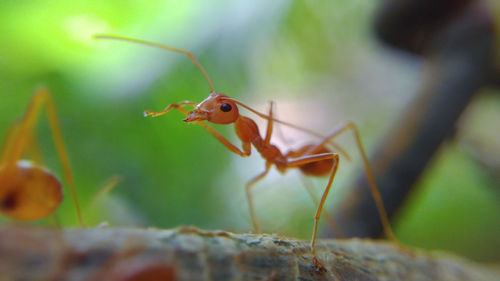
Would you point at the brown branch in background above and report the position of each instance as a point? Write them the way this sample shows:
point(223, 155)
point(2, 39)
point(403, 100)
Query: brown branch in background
point(457, 40)
point(413, 26)
point(184, 254)
point(496, 77)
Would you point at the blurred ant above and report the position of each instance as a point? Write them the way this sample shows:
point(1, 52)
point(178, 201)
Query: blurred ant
point(312, 159)
point(27, 190)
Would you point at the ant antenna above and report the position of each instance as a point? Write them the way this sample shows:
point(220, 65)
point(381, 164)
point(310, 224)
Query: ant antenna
point(160, 46)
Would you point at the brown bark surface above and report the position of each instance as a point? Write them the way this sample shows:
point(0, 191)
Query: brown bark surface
point(33, 253)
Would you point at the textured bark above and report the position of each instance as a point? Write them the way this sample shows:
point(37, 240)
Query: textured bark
point(31, 253)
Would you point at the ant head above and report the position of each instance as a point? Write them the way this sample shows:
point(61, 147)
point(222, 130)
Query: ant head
point(217, 108)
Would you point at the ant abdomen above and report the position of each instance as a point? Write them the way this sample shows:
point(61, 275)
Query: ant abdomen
point(318, 168)
point(28, 192)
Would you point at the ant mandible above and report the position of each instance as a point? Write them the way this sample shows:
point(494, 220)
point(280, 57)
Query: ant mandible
point(27, 190)
point(312, 159)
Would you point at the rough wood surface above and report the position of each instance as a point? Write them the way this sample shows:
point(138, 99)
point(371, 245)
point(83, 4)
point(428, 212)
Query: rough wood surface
point(32, 253)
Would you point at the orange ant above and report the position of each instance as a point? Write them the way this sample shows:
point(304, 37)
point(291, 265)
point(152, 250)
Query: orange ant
point(311, 159)
point(27, 190)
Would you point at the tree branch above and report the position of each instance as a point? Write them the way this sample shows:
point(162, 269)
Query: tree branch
point(32, 253)
point(458, 41)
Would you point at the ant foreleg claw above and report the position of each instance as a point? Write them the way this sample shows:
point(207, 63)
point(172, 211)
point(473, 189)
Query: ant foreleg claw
point(318, 266)
point(148, 113)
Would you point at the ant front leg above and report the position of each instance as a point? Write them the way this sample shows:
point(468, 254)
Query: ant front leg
point(246, 146)
point(177, 106)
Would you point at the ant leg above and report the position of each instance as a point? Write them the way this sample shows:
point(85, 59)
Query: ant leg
point(306, 183)
point(259, 177)
point(41, 99)
point(246, 146)
point(384, 218)
point(310, 159)
point(177, 106)
point(34, 151)
point(7, 147)
point(108, 186)
point(248, 187)
point(332, 223)
point(269, 130)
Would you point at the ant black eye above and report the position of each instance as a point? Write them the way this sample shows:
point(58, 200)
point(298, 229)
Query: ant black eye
point(226, 107)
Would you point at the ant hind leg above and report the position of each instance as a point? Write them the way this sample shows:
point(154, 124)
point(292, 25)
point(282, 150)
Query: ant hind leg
point(311, 159)
point(375, 192)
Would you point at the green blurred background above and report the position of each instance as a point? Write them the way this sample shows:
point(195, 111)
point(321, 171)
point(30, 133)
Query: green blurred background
point(320, 63)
